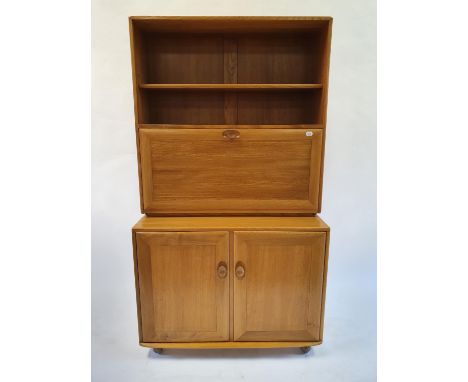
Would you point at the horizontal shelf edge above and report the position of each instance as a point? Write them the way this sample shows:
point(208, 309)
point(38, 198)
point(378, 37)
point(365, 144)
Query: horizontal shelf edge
point(227, 126)
point(230, 86)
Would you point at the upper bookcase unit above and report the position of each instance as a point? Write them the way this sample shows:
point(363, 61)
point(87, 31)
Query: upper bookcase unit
point(230, 113)
point(230, 70)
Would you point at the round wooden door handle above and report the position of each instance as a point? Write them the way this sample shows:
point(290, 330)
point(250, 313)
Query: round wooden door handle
point(240, 271)
point(222, 270)
point(231, 134)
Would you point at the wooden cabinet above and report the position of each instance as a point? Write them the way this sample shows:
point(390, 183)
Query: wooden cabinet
point(230, 122)
point(230, 114)
point(230, 280)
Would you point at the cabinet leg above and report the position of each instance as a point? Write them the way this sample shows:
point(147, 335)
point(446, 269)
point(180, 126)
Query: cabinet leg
point(305, 349)
point(158, 350)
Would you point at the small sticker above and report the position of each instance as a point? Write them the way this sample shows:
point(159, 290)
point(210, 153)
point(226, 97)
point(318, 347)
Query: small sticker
point(309, 133)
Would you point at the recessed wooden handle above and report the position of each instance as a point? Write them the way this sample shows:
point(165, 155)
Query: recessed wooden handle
point(231, 134)
point(240, 271)
point(222, 270)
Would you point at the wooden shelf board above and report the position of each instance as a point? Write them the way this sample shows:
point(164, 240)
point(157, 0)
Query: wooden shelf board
point(227, 126)
point(235, 223)
point(231, 86)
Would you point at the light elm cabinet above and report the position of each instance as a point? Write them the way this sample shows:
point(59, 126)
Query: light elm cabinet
point(230, 281)
point(230, 122)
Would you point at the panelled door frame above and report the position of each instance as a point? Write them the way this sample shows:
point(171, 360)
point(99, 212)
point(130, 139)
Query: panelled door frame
point(316, 275)
point(152, 206)
point(143, 257)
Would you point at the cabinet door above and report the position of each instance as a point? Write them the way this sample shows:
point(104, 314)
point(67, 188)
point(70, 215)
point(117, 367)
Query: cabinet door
point(183, 286)
point(278, 285)
point(234, 170)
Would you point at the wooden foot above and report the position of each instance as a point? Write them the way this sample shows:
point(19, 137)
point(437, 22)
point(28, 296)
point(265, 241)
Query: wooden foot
point(158, 350)
point(305, 349)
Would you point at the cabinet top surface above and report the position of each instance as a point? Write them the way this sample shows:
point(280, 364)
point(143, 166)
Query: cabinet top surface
point(242, 18)
point(167, 23)
point(310, 223)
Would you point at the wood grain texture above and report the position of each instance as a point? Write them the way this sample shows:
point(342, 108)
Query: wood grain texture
point(231, 223)
point(324, 105)
point(230, 80)
point(185, 107)
point(137, 286)
point(279, 58)
point(231, 286)
point(182, 297)
point(229, 345)
point(207, 107)
point(229, 86)
point(190, 170)
point(265, 79)
point(137, 57)
point(236, 24)
point(185, 58)
point(228, 126)
point(280, 297)
point(324, 287)
point(285, 259)
point(255, 72)
point(288, 107)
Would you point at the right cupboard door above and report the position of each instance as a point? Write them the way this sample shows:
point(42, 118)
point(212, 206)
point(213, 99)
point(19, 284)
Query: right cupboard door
point(278, 285)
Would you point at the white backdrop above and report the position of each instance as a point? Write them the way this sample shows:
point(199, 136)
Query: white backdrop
point(349, 204)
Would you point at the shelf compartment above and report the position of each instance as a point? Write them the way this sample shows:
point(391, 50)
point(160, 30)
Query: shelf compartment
point(183, 107)
point(282, 108)
point(182, 58)
point(218, 107)
point(281, 58)
point(230, 86)
point(217, 58)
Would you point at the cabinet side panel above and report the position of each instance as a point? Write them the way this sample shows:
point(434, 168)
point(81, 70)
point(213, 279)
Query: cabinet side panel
point(137, 286)
point(324, 103)
point(138, 59)
point(324, 288)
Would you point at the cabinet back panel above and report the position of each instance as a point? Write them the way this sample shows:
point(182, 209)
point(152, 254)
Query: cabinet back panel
point(216, 107)
point(186, 107)
point(185, 59)
point(280, 59)
point(277, 108)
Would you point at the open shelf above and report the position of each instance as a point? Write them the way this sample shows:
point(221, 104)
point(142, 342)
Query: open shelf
point(215, 106)
point(258, 72)
point(231, 86)
point(216, 58)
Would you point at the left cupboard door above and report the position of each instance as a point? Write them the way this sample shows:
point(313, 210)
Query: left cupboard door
point(183, 282)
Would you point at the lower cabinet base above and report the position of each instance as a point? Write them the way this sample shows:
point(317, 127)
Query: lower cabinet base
point(228, 345)
point(230, 282)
